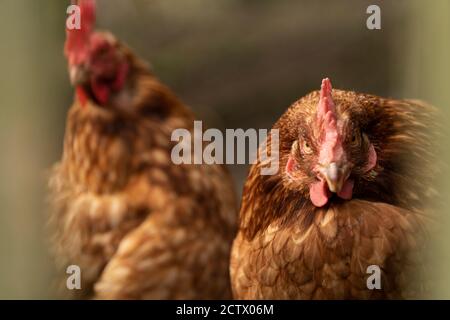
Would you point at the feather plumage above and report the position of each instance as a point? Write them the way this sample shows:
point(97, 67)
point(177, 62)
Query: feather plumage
point(288, 248)
point(136, 224)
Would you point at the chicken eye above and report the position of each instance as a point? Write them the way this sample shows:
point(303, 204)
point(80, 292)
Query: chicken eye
point(306, 147)
point(356, 138)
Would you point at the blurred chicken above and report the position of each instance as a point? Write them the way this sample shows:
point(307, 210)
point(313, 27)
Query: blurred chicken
point(138, 226)
point(354, 189)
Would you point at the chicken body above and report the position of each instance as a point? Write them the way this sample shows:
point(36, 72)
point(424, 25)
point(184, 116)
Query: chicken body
point(137, 225)
point(293, 244)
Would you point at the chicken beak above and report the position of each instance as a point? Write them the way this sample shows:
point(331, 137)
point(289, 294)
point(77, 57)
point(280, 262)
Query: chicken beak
point(335, 176)
point(78, 75)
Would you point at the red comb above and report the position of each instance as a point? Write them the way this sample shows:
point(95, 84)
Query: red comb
point(78, 39)
point(326, 110)
point(331, 148)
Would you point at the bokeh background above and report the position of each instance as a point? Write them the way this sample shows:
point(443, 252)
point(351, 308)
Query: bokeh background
point(237, 63)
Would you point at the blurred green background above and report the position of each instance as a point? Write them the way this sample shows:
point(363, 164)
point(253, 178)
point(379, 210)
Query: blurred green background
point(237, 63)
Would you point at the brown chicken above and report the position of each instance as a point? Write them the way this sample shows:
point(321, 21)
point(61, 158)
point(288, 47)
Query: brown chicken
point(354, 190)
point(137, 225)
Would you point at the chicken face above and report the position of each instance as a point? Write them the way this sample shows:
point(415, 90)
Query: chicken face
point(331, 150)
point(97, 66)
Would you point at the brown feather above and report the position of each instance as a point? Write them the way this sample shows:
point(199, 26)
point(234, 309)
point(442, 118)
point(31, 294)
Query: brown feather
point(138, 225)
point(323, 253)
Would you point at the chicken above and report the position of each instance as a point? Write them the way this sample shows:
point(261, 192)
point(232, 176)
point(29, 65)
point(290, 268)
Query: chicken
point(137, 225)
point(354, 190)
